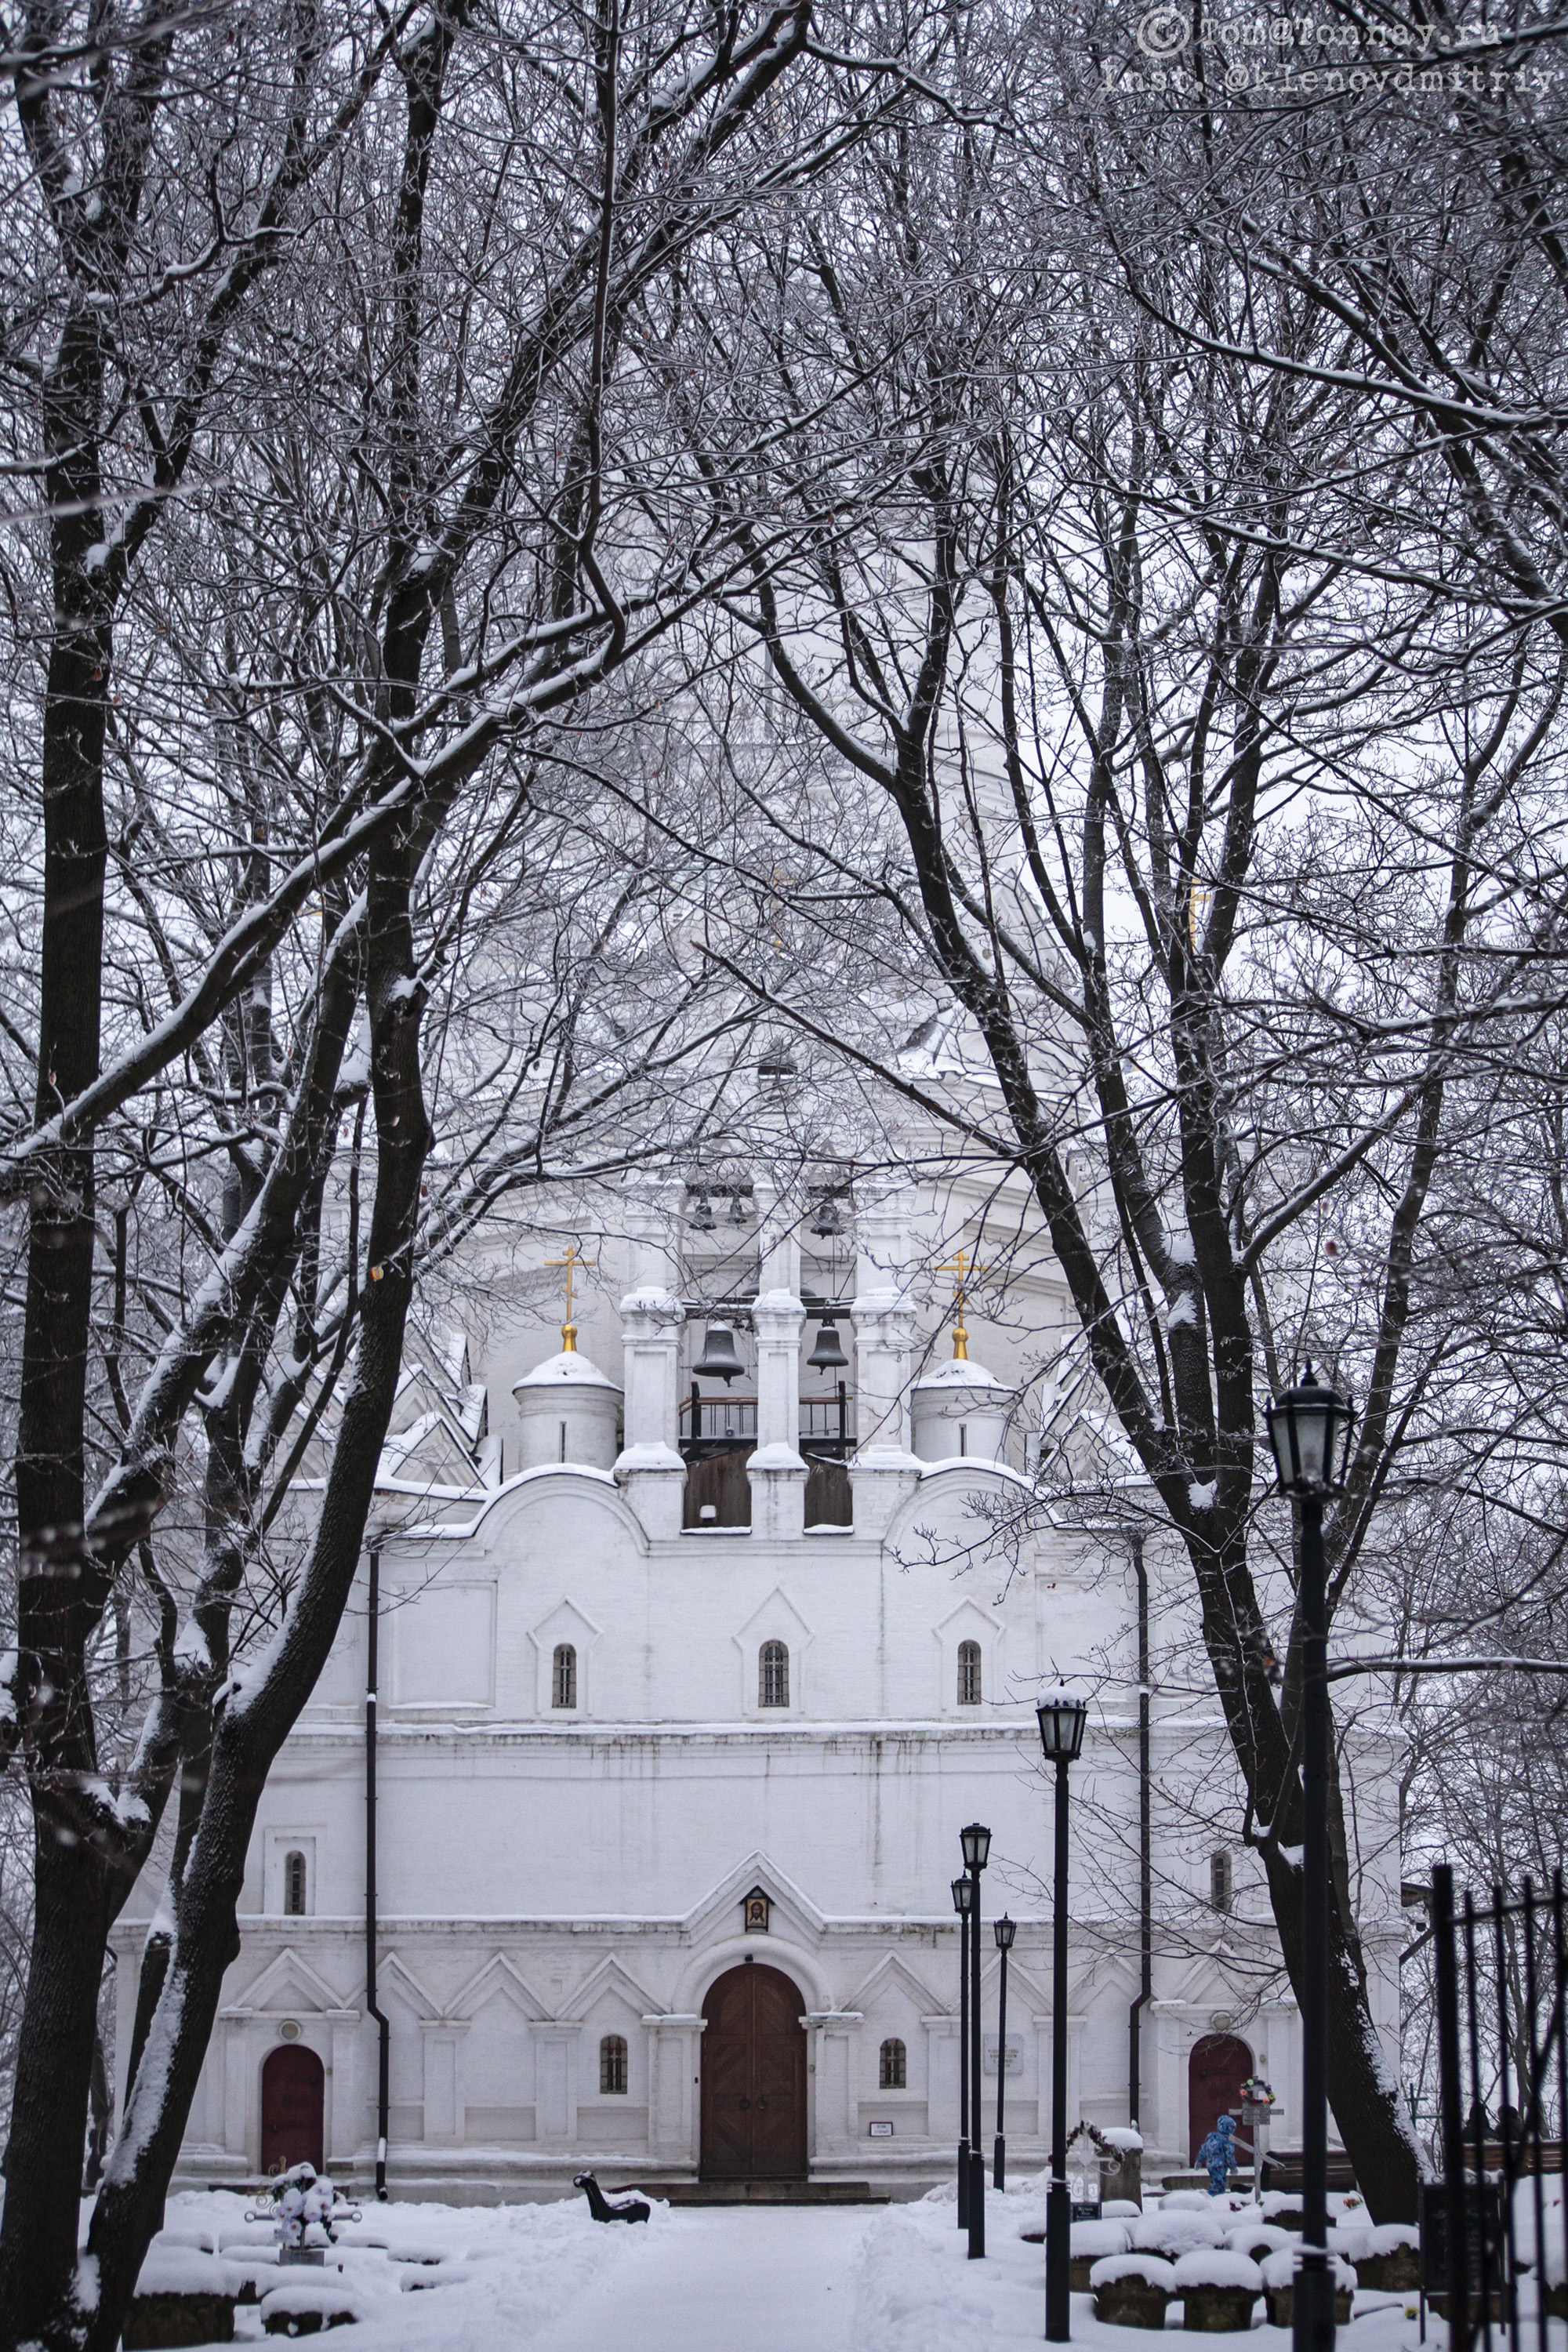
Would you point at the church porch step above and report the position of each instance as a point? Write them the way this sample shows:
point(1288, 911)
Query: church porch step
point(762, 2192)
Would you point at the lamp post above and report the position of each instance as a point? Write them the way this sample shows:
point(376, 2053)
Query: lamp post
point(1005, 1930)
point(963, 1903)
point(1308, 1429)
point(976, 1842)
point(1062, 1716)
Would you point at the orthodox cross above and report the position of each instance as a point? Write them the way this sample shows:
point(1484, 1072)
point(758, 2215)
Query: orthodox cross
point(964, 1265)
point(571, 1261)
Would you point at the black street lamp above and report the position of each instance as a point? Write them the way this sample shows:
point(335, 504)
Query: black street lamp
point(964, 1903)
point(976, 1844)
point(1005, 1930)
point(1309, 1429)
point(1062, 1716)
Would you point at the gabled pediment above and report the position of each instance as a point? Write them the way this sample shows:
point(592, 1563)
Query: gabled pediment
point(287, 1984)
point(394, 1976)
point(498, 1978)
point(791, 1909)
point(611, 1977)
point(891, 1972)
point(776, 1618)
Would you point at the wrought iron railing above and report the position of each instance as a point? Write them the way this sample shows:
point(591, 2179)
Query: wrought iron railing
point(707, 1420)
point(1494, 2240)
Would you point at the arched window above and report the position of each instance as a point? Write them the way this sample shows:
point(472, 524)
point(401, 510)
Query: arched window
point(968, 1673)
point(1220, 1888)
point(613, 2064)
point(773, 1675)
point(894, 2072)
point(563, 1678)
point(294, 1885)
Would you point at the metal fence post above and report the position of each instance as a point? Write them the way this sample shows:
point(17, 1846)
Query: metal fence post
point(1456, 2214)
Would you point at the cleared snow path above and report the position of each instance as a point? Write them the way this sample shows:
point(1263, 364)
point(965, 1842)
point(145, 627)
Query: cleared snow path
point(777, 2281)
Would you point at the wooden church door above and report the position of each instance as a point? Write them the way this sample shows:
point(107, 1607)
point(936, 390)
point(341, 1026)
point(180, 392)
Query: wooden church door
point(753, 2077)
point(293, 2093)
point(1216, 2072)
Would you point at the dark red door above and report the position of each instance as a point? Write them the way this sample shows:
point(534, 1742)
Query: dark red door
point(293, 2090)
point(753, 2077)
point(1216, 2072)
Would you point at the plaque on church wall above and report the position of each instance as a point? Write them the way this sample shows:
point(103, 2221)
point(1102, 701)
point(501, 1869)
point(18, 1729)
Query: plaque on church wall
point(1014, 2055)
point(880, 2131)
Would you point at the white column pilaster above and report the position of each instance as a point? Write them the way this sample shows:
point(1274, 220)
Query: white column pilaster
point(885, 1470)
point(649, 1469)
point(674, 2042)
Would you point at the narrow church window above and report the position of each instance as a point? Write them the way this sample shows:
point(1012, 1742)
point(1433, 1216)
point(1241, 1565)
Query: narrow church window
point(964, 1438)
point(1219, 1881)
point(968, 1673)
point(563, 1456)
point(613, 2064)
point(294, 1885)
point(563, 1682)
point(773, 1675)
point(895, 2067)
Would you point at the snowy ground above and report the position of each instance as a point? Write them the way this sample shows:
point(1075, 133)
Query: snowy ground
point(437, 2278)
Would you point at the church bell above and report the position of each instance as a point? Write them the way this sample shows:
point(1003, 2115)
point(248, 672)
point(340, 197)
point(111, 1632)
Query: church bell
point(719, 1359)
point(828, 1355)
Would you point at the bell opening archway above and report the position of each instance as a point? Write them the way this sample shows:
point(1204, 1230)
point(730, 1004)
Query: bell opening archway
point(293, 2100)
point(1217, 2070)
point(753, 2077)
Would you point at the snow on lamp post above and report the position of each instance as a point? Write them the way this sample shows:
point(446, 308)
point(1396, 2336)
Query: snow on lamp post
point(1309, 1430)
point(976, 1842)
point(1062, 1716)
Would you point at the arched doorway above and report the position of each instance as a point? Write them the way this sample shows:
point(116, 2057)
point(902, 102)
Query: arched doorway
point(753, 2077)
point(293, 2093)
point(1216, 2072)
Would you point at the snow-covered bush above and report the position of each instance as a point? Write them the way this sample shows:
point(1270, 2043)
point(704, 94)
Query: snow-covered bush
point(1279, 2270)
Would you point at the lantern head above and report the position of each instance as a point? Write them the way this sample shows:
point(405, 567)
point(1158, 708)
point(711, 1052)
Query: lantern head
point(1003, 1930)
point(976, 1844)
point(1309, 1429)
point(1062, 1714)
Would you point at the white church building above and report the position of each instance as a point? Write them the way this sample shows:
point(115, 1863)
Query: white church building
point(685, 1688)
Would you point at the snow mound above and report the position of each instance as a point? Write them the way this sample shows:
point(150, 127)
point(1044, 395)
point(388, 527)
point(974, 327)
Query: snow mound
point(1174, 2234)
point(1279, 2270)
point(1276, 2201)
point(1392, 2238)
point(1218, 2266)
point(1119, 2135)
point(204, 2237)
point(183, 2270)
point(305, 2298)
point(1187, 2201)
point(1099, 2238)
point(1118, 2209)
point(442, 2274)
point(250, 2234)
point(1148, 2267)
point(1252, 2234)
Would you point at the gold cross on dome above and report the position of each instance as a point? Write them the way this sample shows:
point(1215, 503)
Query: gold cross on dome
point(964, 1265)
point(571, 1261)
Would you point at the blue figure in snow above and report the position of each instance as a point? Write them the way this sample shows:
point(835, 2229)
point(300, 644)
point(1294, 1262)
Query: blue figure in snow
point(1218, 2152)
